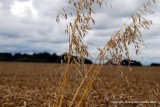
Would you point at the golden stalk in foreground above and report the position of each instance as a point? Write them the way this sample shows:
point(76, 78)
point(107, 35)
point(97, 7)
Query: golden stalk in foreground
point(115, 49)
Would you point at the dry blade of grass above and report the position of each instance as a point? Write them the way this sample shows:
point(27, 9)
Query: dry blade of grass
point(115, 49)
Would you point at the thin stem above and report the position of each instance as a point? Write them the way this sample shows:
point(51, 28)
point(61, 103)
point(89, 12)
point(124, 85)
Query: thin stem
point(98, 58)
point(130, 17)
point(69, 59)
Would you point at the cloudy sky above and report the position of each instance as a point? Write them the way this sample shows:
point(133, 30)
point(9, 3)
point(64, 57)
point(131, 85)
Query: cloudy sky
point(29, 26)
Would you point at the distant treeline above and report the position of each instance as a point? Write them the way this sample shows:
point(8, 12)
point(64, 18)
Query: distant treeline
point(37, 57)
point(126, 62)
point(155, 64)
point(54, 58)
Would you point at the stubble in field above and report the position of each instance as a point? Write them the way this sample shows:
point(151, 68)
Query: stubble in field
point(35, 85)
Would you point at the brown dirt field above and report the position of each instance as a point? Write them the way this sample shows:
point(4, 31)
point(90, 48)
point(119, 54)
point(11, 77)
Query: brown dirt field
point(35, 85)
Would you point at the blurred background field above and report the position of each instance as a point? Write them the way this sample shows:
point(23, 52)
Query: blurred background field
point(35, 85)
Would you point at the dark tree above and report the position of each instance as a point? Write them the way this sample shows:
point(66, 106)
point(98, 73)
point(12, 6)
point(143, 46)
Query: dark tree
point(39, 57)
point(126, 62)
point(155, 64)
point(53, 58)
point(6, 57)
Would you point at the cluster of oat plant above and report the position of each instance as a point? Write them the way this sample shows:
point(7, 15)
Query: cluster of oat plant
point(115, 49)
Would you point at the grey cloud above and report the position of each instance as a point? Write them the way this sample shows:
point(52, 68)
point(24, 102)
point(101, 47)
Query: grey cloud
point(42, 33)
point(6, 4)
point(31, 46)
point(48, 8)
point(124, 8)
point(22, 0)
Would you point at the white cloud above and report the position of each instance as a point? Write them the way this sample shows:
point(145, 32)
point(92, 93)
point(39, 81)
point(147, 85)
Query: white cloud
point(30, 26)
point(24, 9)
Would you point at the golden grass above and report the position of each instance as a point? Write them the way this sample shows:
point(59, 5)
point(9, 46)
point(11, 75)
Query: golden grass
point(35, 84)
point(116, 48)
point(80, 85)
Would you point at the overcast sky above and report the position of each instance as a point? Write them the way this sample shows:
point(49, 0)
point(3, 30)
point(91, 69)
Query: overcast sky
point(30, 26)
